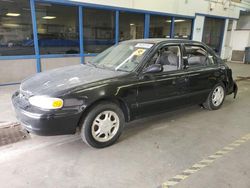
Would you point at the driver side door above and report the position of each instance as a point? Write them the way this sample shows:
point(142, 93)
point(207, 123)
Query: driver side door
point(162, 91)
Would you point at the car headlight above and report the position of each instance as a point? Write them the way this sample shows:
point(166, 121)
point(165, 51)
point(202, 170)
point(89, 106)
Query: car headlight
point(46, 102)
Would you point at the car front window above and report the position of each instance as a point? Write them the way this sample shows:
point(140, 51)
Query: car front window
point(125, 56)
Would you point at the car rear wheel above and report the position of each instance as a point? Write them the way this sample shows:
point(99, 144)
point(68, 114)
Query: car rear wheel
point(215, 98)
point(103, 125)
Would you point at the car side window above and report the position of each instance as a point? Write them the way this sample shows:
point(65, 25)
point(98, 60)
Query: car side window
point(197, 56)
point(169, 57)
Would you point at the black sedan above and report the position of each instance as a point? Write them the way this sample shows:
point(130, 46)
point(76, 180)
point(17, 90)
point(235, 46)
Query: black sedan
point(127, 81)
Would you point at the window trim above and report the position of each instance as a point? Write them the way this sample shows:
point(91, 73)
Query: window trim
point(207, 56)
point(156, 49)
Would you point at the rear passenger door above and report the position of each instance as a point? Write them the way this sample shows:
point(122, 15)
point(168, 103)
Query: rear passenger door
point(201, 70)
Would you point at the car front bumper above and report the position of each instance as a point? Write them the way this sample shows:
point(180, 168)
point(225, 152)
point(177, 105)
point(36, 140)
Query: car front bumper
point(233, 89)
point(46, 123)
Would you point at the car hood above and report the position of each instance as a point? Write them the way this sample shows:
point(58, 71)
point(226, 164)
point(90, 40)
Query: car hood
point(63, 79)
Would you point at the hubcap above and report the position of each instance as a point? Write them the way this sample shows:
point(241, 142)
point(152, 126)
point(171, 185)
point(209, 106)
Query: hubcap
point(105, 126)
point(218, 96)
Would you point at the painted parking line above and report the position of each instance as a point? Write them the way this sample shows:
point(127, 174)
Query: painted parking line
point(205, 162)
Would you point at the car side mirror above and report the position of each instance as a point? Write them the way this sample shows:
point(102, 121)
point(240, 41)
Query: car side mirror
point(155, 68)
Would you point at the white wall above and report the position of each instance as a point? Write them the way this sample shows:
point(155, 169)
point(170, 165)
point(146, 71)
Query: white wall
point(240, 39)
point(182, 7)
point(227, 47)
point(198, 28)
point(224, 49)
point(16, 70)
point(52, 63)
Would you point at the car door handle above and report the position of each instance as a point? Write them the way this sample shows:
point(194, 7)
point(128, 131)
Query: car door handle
point(186, 79)
point(182, 79)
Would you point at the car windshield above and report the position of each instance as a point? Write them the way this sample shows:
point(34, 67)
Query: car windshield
point(125, 56)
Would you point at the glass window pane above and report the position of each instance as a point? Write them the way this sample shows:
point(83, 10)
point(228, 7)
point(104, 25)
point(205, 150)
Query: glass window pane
point(197, 56)
point(16, 34)
point(125, 56)
point(131, 26)
point(213, 33)
point(159, 26)
point(58, 28)
point(98, 30)
point(169, 58)
point(182, 28)
point(243, 21)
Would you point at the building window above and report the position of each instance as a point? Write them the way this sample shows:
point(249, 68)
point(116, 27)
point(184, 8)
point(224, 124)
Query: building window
point(182, 28)
point(98, 30)
point(131, 26)
point(58, 28)
point(243, 21)
point(16, 34)
point(213, 33)
point(160, 26)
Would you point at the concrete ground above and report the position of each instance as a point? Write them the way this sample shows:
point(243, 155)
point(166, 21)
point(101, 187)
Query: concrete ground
point(149, 152)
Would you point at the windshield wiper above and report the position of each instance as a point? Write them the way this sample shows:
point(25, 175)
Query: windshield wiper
point(89, 63)
point(121, 70)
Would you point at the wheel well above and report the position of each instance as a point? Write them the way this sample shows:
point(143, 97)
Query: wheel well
point(116, 101)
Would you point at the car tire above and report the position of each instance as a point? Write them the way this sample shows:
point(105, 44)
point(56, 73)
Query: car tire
point(216, 97)
point(103, 125)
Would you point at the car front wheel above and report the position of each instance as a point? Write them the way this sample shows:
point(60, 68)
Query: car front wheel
point(215, 98)
point(103, 125)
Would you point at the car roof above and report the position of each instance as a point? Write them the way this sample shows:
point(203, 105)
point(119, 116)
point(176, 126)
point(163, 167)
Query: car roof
point(158, 40)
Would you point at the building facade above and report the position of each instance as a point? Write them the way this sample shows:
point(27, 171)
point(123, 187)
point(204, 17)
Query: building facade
point(38, 35)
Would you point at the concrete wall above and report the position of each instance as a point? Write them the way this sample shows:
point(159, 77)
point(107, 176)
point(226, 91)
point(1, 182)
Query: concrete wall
point(228, 48)
point(51, 63)
point(13, 71)
point(16, 70)
point(240, 40)
point(182, 7)
point(198, 28)
point(223, 49)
